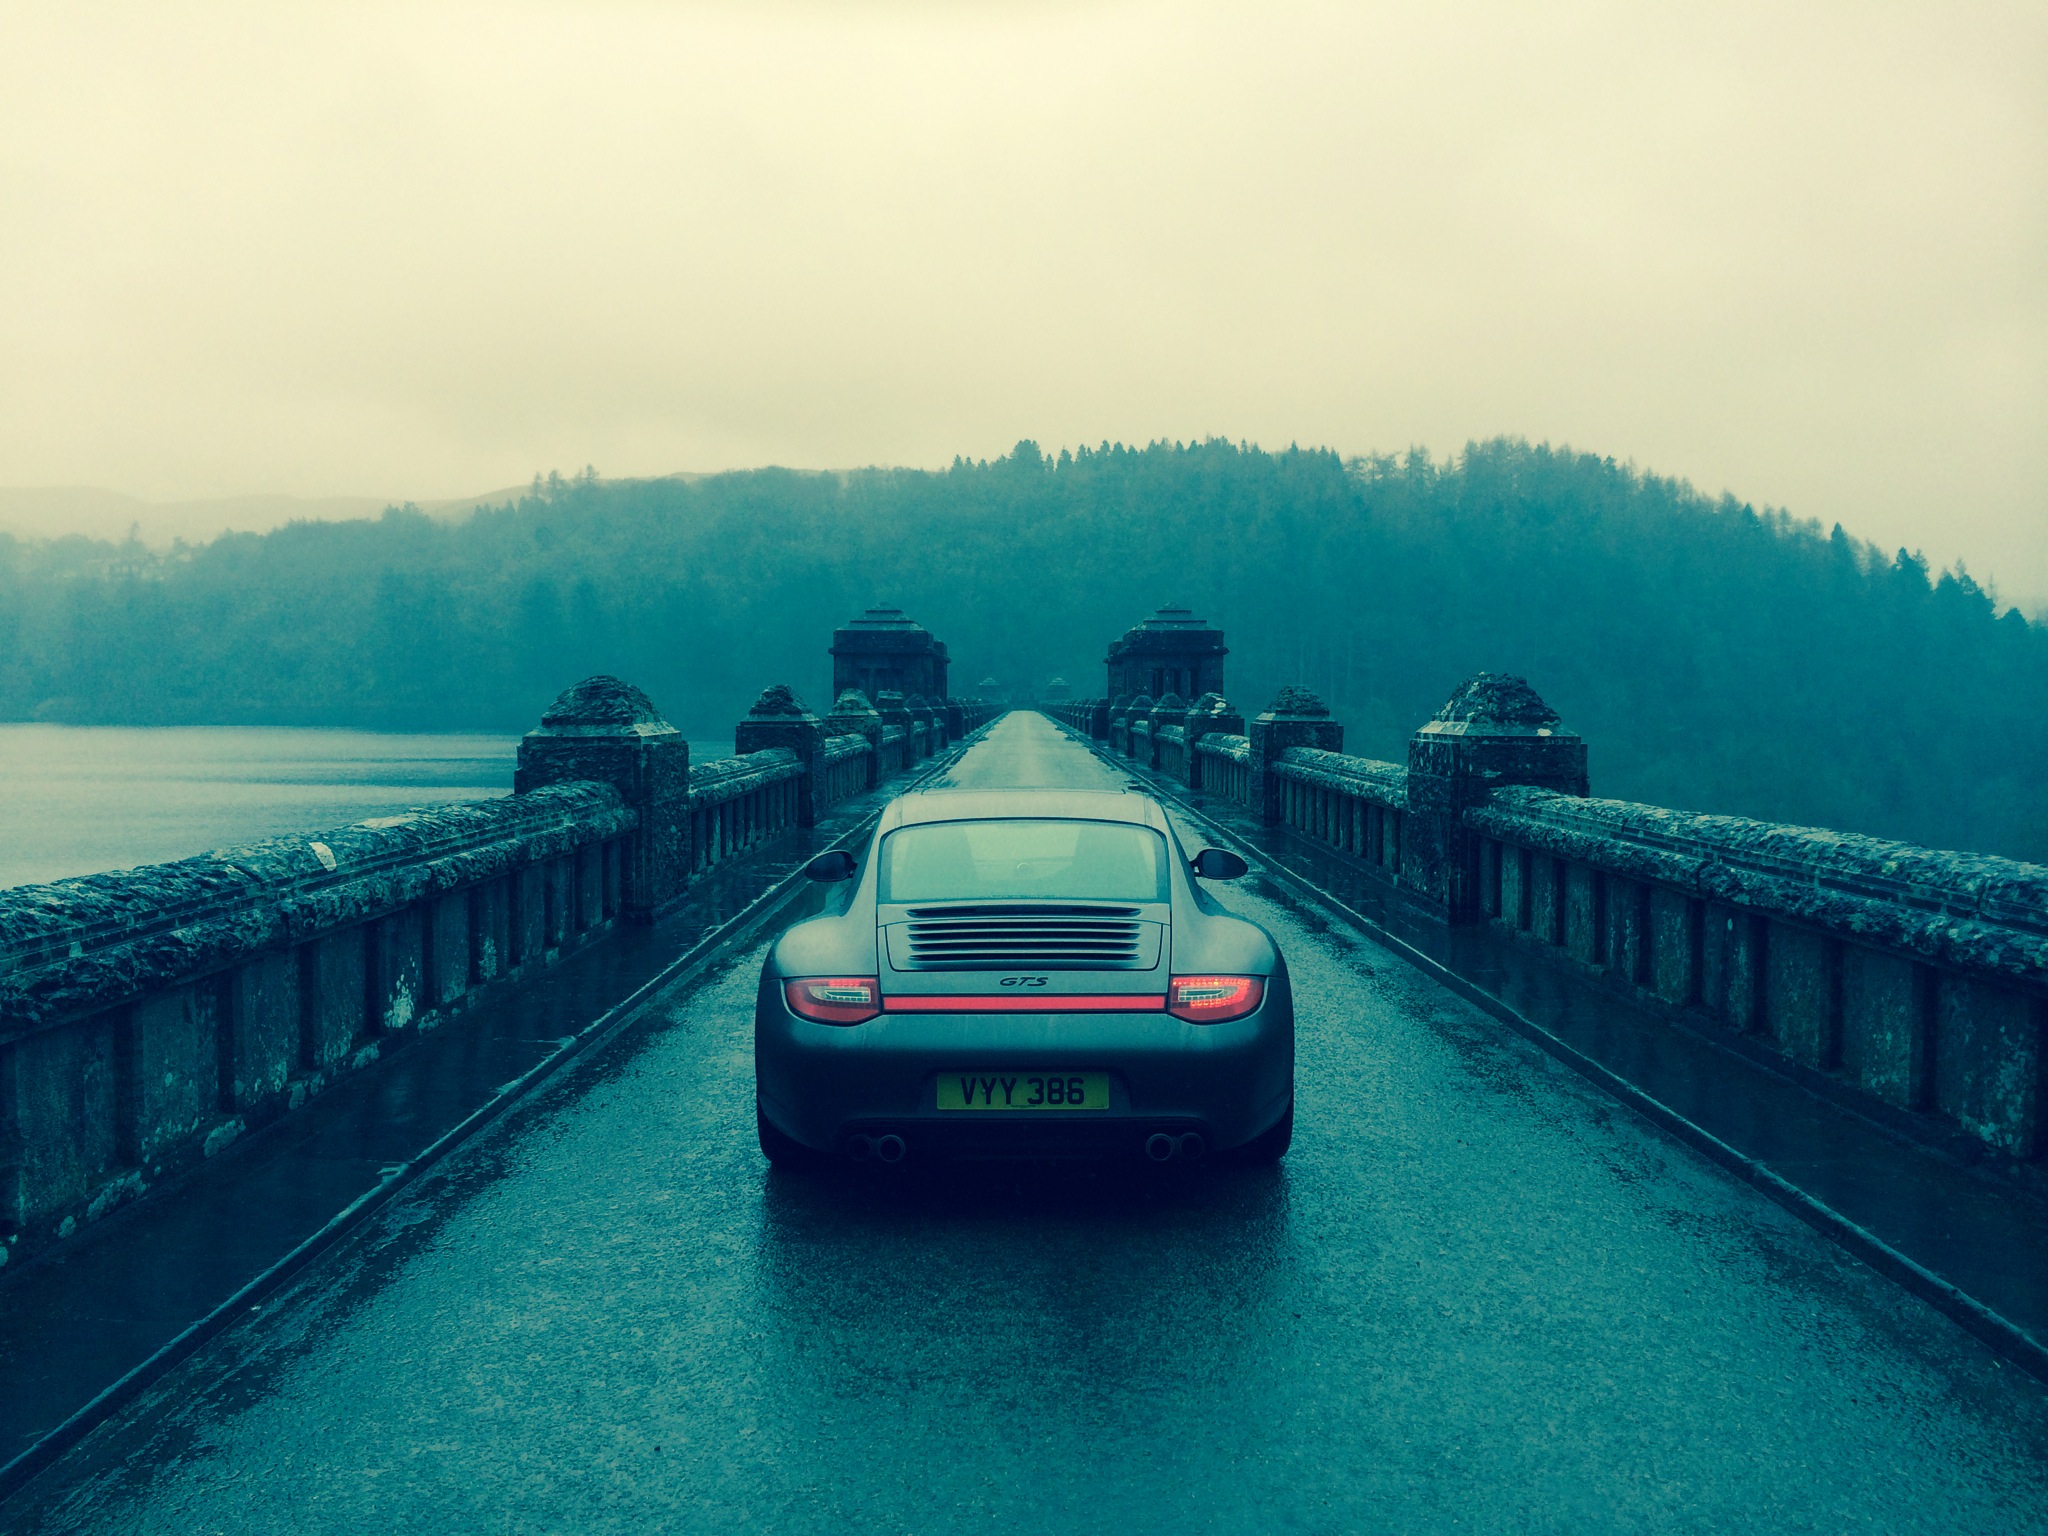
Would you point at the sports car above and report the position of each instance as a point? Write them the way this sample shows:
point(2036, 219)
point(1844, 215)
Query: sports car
point(1024, 973)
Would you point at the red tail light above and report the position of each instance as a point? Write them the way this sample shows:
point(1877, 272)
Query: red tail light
point(834, 999)
point(1214, 999)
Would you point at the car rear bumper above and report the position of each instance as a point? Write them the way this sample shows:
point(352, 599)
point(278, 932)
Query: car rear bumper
point(825, 1085)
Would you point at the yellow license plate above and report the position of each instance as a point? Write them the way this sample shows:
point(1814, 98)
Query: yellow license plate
point(1023, 1090)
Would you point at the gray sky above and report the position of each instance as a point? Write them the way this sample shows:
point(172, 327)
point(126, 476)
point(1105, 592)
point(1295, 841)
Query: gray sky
point(422, 250)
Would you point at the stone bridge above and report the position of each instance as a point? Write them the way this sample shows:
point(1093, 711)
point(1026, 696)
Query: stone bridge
point(403, 1174)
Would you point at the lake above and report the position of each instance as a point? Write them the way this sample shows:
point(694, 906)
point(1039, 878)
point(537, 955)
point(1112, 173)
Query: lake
point(75, 800)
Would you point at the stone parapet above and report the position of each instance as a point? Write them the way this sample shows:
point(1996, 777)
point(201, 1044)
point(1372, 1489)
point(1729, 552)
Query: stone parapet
point(898, 739)
point(930, 720)
point(1171, 710)
point(1236, 749)
point(1381, 783)
point(737, 802)
point(1972, 912)
point(1910, 980)
point(151, 1017)
point(853, 715)
point(1209, 715)
point(728, 778)
point(1125, 725)
point(95, 942)
point(1912, 976)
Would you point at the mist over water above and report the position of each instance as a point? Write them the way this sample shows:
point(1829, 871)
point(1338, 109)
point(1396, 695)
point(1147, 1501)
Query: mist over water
point(81, 799)
point(84, 799)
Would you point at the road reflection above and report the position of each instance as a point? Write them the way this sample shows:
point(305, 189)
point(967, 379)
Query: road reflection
point(1118, 1294)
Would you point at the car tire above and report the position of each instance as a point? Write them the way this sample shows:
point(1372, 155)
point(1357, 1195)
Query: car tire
point(780, 1150)
point(1270, 1145)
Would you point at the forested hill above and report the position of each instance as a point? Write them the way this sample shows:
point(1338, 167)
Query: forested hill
point(1714, 657)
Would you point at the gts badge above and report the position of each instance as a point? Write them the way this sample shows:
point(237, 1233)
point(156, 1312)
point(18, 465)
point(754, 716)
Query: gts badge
point(1025, 981)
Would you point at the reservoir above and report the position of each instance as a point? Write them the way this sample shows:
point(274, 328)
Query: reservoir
point(76, 800)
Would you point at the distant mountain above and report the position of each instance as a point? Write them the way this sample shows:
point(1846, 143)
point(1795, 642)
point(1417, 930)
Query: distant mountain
point(1714, 655)
point(58, 511)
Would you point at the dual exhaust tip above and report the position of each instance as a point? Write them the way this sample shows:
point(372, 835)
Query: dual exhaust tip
point(883, 1149)
point(1189, 1148)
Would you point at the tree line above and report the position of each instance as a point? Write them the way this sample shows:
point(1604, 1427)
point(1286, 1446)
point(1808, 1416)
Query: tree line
point(1715, 656)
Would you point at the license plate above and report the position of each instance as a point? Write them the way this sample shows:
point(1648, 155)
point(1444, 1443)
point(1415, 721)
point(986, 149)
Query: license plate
point(1023, 1090)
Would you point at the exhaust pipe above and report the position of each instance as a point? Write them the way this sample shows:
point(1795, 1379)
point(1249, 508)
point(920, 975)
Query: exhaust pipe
point(1160, 1147)
point(1193, 1146)
point(860, 1148)
point(890, 1148)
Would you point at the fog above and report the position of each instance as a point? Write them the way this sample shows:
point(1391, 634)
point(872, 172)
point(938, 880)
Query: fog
point(422, 251)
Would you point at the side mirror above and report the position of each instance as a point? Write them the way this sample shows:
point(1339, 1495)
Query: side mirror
point(834, 865)
point(1218, 864)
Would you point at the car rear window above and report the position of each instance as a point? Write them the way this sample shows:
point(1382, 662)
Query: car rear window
point(1028, 860)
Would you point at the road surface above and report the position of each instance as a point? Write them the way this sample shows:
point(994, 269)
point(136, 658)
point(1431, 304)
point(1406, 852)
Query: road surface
point(1478, 1296)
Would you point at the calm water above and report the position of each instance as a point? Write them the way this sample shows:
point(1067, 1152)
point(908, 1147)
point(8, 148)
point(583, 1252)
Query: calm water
point(84, 799)
point(75, 800)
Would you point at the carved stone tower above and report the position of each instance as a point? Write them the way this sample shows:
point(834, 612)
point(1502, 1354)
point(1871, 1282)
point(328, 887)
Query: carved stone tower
point(883, 651)
point(1171, 652)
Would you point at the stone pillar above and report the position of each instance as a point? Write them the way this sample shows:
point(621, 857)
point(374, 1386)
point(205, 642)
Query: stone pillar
point(1139, 708)
point(956, 721)
point(1295, 718)
point(889, 705)
point(853, 715)
point(1210, 715)
point(934, 726)
point(1494, 731)
point(607, 731)
point(1098, 719)
point(1171, 710)
point(779, 719)
point(1118, 708)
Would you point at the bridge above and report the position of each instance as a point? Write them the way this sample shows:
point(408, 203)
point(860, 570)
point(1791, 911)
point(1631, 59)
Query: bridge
point(1653, 1170)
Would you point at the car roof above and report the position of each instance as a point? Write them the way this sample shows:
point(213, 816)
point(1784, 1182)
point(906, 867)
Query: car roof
point(931, 805)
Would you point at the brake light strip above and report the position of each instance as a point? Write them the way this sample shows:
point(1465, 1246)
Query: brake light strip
point(1037, 1002)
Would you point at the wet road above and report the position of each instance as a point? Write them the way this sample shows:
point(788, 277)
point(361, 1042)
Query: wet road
point(1477, 1296)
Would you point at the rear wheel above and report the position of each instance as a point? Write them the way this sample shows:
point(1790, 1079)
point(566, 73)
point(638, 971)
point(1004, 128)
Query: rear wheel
point(783, 1151)
point(1269, 1146)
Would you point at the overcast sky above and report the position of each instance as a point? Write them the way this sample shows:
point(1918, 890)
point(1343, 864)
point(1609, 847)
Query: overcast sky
point(1799, 252)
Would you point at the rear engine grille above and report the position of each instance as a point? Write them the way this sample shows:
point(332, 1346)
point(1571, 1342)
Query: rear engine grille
point(988, 938)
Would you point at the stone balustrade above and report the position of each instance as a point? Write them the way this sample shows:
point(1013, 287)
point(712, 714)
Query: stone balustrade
point(844, 768)
point(1911, 975)
point(1907, 979)
point(1353, 803)
point(152, 1016)
point(1222, 764)
point(1170, 750)
point(737, 802)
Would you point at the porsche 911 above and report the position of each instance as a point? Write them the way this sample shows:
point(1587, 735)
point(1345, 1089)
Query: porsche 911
point(1024, 973)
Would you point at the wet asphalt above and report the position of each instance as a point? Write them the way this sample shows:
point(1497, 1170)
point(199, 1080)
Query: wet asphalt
point(1478, 1295)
